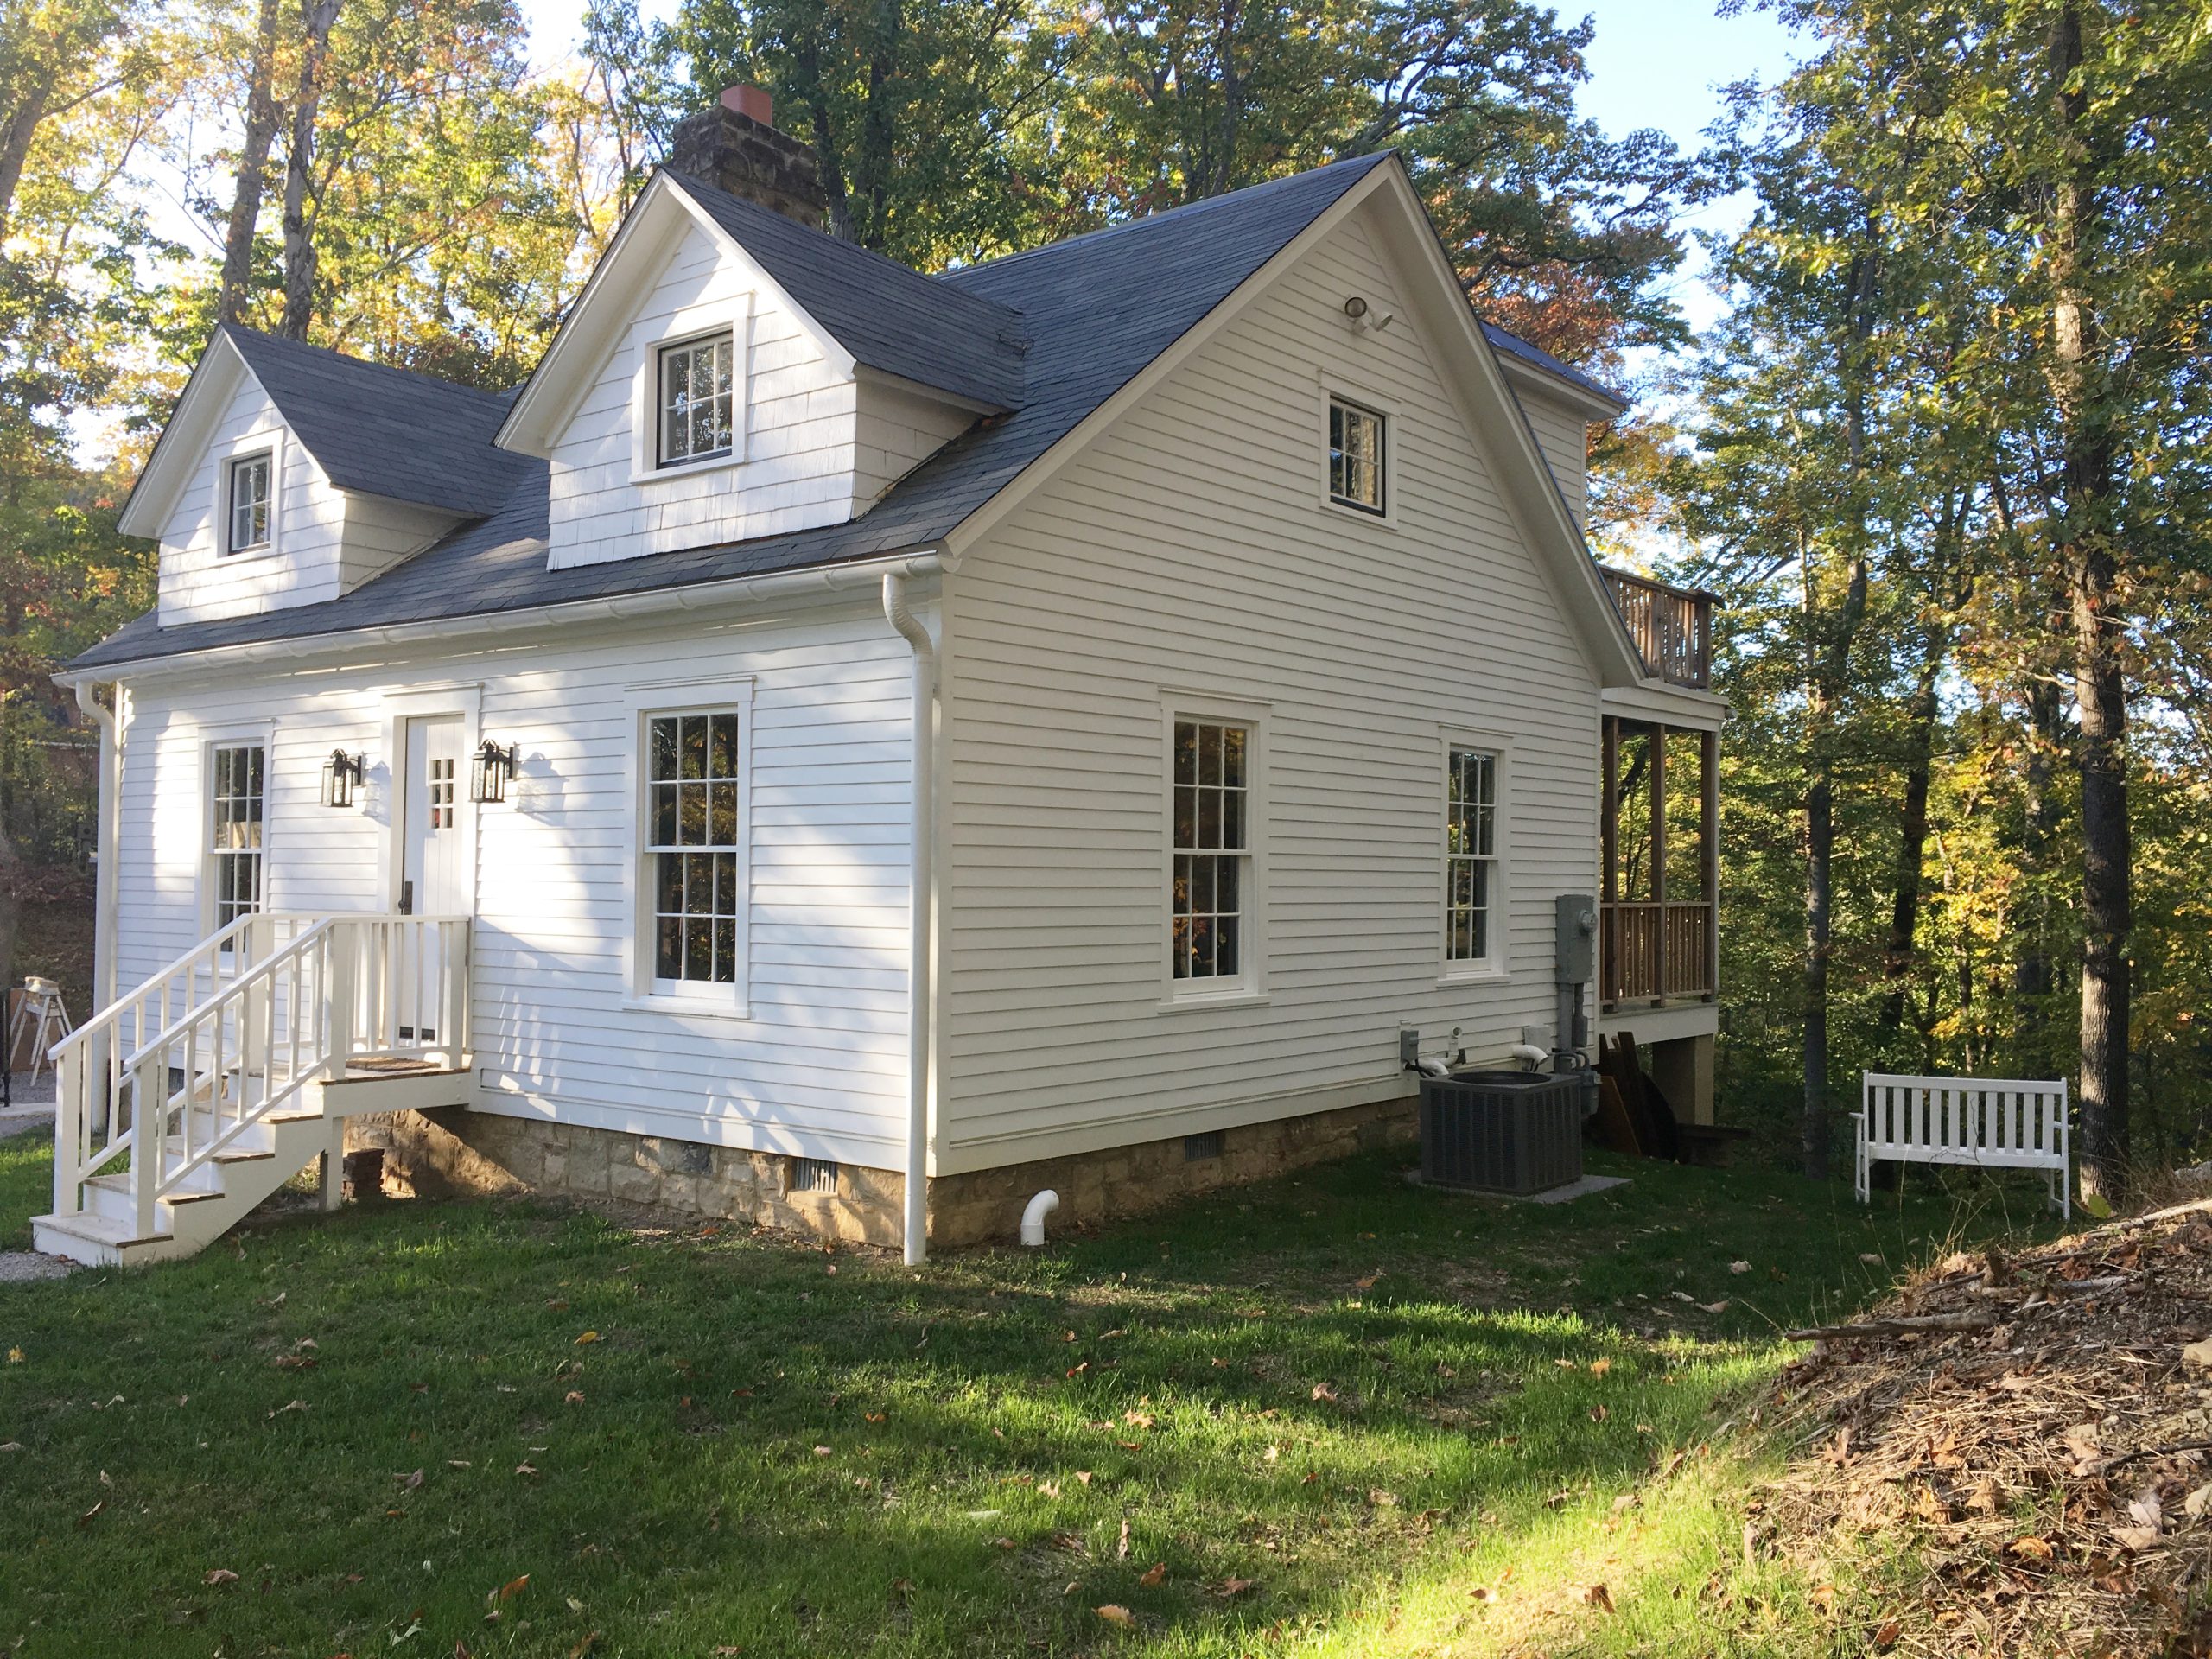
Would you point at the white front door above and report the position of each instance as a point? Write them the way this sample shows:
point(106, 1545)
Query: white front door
point(433, 872)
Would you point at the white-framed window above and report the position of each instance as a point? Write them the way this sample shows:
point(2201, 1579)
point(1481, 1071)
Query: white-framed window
point(1472, 895)
point(693, 887)
point(249, 483)
point(697, 401)
point(1356, 457)
point(1210, 886)
point(236, 777)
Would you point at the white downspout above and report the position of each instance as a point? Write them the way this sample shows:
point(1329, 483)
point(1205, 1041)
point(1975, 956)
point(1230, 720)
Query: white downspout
point(110, 791)
point(919, 987)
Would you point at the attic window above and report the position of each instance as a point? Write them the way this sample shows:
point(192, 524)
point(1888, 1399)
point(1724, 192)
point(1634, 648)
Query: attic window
point(248, 503)
point(697, 399)
point(1355, 456)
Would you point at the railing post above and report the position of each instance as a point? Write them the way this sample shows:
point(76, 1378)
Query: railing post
point(341, 990)
point(68, 1112)
point(148, 1128)
point(454, 944)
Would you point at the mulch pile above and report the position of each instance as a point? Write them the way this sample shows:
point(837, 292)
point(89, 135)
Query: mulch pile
point(2036, 1429)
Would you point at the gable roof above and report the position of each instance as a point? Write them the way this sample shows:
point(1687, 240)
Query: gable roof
point(895, 320)
point(384, 430)
point(1536, 357)
point(1099, 309)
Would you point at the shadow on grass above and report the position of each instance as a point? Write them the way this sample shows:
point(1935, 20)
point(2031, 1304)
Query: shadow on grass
point(1287, 1396)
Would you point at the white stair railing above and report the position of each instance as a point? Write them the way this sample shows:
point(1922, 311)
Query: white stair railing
point(244, 1032)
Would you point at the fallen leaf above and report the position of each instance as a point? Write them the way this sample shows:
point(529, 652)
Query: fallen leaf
point(85, 1518)
point(821, 1451)
point(1154, 1577)
point(1228, 1587)
point(726, 1648)
point(511, 1589)
point(409, 1482)
point(1004, 1544)
point(2136, 1538)
point(1323, 1391)
point(590, 1640)
point(1121, 1545)
point(1886, 1636)
point(1739, 1267)
point(2194, 1505)
point(11, 1446)
point(220, 1575)
point(1083, 1475)
point(1598, 1596)
point(1484, 1594)
point(1599, 1367)
point(1115, 1614)
point(1368, 1282)
point(2197, 1353)
point(2029, 1549)
point(1720, 1306)
point(1824, 1597)
point(1598, 1413)
point(589, 1336)
point(456, 1462)
point(526, 1468)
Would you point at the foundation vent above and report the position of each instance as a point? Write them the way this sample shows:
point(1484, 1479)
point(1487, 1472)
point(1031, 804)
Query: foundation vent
point(814, 1175)
point(1197, 1149)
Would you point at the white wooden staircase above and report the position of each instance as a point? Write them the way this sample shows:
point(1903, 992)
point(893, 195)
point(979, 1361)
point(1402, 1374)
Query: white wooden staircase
point(184, 1104)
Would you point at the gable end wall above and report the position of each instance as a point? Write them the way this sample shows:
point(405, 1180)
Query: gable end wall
point(1190, 547)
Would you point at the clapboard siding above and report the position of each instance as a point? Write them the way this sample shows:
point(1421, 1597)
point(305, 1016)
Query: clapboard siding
point(1190, 548)
point(198, 579)
point(818, 1067)
point(819, 446)
point(1564, 437)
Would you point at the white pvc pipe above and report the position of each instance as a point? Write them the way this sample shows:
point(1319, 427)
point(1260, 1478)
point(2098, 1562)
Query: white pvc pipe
point(921, 890)
point(1033, 1218)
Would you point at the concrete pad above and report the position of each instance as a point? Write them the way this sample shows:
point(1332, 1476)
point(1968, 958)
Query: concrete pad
point(1567, 1194)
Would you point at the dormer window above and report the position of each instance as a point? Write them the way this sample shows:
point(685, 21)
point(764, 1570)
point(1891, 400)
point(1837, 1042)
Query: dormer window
point(697, 399)
point(250, 503)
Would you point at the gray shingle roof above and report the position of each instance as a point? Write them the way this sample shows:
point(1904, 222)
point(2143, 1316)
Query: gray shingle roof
point(1096, 308)
point(387, 431)
point(889, 317)
point(1514, 346)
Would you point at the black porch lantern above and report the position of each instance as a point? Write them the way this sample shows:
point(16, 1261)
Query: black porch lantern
point(489, 772)
point(342, 776)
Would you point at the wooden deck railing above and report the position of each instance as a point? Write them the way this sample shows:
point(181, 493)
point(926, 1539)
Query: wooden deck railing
point(1672, 627)
point(1651, 952)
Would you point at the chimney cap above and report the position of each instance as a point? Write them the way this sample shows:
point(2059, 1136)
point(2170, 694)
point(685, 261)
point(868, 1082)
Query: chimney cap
point(751, 102)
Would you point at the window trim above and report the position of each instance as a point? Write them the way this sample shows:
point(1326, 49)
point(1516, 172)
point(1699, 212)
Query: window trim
point(1249, 987)
point(642, 989)
point(1330, 389)
point(223, 457)
point(231, 468)
point(663, 461)
point(1383, 446)
point(1496, 966)
point(683, 327)
point(264, 736)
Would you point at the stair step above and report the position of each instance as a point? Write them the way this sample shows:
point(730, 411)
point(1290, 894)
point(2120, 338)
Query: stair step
point(101, 1229)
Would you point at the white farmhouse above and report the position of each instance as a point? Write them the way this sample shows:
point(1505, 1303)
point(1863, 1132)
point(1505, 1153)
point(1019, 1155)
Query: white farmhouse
point(852, 748)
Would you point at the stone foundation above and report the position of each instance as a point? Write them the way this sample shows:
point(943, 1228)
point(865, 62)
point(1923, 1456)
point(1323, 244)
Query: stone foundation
point(453, 1152)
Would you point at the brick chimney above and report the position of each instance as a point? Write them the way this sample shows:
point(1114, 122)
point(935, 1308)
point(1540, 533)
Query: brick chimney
point(734, 144)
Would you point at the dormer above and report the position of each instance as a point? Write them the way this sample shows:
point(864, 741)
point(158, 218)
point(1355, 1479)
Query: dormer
point(731, 371)
point(1561, 403)
point(289, 474)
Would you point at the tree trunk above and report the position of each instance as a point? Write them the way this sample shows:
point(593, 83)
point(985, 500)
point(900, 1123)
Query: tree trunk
point(15, 136)
point(1912, 835)
point(2035, 975)
point(2089, 563)
point(262, 118)
point(316, 19)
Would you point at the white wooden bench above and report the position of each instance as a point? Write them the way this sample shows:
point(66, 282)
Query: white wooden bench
point(1985, 1124)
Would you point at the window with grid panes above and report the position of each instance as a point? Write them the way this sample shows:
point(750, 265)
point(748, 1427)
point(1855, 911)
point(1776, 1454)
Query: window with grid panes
point(1210, 885)
point(1470, 855)
point(697, 399)
point(1355, 456)
point(692, 848)
point(234, 823)
point(250, 479)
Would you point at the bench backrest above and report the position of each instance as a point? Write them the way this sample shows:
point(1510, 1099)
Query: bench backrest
point(1967, 1113)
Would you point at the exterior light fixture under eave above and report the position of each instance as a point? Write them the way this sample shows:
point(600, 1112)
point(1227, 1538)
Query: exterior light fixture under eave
point(342, 776)
point(489, 772)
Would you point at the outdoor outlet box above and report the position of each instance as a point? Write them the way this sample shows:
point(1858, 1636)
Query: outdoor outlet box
point(1408, 1048)
point(1575, 919)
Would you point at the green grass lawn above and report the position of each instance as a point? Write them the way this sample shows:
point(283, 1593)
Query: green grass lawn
point(1330, 1416)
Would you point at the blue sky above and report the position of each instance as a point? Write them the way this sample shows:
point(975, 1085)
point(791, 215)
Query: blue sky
point(1654, 63)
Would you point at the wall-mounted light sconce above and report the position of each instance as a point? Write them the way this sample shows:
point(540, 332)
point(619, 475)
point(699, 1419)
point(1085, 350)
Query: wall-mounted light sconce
point(489, 772)
point(342, 776)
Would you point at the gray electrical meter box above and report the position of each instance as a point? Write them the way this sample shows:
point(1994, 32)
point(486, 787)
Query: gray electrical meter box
point(1575, 919)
